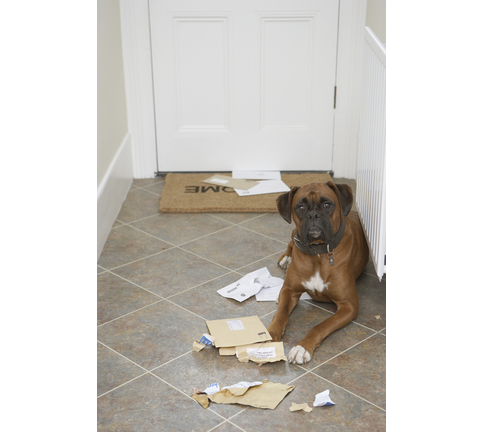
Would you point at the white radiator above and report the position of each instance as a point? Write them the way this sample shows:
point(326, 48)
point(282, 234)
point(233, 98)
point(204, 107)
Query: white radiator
point(371, 160)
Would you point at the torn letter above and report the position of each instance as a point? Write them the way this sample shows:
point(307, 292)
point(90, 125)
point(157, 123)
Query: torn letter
point(268, 352)
point(247, 286)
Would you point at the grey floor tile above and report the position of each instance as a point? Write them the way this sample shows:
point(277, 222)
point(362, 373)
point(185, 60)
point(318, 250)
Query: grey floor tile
point(126, 244)
point(306, 316)
point(234, 247)
point(117, 297)
point(100, 270)
point(148, 404)
point(149, 181)
point(372, 302)
point(170, 272)
point(236, 218)
point(137, 205)
point(206, 302)
point(153, 335)
point(349, 413)
point(156, 188)
point(271, 225)
point(361, 370)
point(226, 427)
point(113, 370)
point(200, 369)
point(180, 228)
point(271, 263)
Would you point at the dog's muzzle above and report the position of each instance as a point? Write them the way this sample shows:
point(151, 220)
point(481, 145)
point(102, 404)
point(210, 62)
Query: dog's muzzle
point(314, 232)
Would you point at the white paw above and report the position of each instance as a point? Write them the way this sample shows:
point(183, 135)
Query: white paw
point(298, 355)
point(285, 262)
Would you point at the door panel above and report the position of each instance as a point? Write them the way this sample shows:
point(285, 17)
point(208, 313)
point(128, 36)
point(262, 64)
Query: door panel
point(244, 85)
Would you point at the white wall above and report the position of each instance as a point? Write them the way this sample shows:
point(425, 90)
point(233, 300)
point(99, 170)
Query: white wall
point(111, 95)
point(376, 18)
point(114, 147)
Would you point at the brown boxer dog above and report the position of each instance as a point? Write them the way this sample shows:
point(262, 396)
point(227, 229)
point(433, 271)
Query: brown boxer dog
point(327, 253)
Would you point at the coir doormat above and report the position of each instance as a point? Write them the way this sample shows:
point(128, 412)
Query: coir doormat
point(186, 193)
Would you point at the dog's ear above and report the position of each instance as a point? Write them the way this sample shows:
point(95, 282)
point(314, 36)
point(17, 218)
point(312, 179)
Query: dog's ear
point(284, 204)
point(344, 193)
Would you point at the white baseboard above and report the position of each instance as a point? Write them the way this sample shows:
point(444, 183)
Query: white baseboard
point(113, 191)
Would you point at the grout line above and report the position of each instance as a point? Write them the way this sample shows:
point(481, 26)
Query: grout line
point(130, 313)
point(181, 307)
point(140, 259)
point(206, 235)
point(236, 223)
point(254, 262)
point(263, 235)
point(151, 192)
point(135, 284)
point(169, 361)
point(197, 286)
point(189, 397)
point(326, 310)
point(342, 352)
point(121, 385)
point(348, 391)
point(206, 259)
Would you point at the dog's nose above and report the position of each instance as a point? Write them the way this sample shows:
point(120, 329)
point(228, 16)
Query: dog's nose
point(313, 215)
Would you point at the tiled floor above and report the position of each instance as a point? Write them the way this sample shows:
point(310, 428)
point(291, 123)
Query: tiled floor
point(157, 282)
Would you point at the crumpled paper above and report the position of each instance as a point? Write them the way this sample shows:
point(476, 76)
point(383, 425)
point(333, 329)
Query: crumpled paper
point(298, 407)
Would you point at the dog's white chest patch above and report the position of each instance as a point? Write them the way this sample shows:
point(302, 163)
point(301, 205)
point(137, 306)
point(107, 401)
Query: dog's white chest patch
point(315, 283)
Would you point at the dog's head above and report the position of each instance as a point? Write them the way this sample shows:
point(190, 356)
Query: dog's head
point(317, 209)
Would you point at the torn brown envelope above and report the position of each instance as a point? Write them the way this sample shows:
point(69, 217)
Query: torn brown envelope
point(266, 395)
point(225, 181)
point(298, 407)
point(227, 351)
point(267, 352)
point(201, 398)
point(238, 331)
point(198, 346)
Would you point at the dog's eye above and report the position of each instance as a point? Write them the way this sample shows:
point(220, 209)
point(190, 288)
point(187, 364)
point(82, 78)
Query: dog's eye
point(327, 205)
point(301, 208)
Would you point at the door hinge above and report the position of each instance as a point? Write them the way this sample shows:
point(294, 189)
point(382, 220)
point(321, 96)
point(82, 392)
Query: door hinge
point(335, 96)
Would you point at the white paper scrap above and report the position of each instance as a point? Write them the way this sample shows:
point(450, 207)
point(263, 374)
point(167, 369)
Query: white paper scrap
point(243, 384)
point(264, 187)
point(212, 389)
point(206, 339)
point(270, 293)
point(257, 175)
point(261, 353)
point(217, 180)
point(247, 286)
point(323, 399)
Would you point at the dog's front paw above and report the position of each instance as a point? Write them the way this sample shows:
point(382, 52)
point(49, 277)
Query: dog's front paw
point(299, 355)
point(285, 262)
point(276, 334)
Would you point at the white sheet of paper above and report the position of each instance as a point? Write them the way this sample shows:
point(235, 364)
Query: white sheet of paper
point(212, 389)
point(323, 399)
point(257, 175)
point(264, 187)
point(272, 293)
point(247, 286)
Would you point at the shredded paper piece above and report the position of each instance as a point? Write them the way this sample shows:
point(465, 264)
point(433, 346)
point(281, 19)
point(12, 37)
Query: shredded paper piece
point(323, 399)
point(298, 407)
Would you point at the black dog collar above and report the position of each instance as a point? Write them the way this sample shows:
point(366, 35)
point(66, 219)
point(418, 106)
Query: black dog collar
point(323, 248)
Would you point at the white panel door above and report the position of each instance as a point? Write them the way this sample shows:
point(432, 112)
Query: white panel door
point(244, 84)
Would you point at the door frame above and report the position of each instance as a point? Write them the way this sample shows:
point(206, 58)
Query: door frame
point(136, 47)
